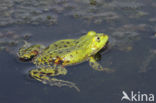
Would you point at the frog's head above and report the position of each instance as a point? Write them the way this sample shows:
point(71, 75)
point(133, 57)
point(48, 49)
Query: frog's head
point(27, 54)
point(98, 41)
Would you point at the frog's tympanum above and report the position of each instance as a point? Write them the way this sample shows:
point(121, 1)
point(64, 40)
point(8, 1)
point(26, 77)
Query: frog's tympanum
point(51, 61)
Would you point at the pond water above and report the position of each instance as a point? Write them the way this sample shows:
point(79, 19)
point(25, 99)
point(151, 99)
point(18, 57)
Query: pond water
point(130, 24)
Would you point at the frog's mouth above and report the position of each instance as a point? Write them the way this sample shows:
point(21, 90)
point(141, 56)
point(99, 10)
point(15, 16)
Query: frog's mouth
point(27, 59)
point(105, 47)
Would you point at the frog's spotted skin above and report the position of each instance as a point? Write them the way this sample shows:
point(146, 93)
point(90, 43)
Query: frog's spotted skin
point(50, 61)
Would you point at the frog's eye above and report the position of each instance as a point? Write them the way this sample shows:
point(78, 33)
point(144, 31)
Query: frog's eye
point(98, 39)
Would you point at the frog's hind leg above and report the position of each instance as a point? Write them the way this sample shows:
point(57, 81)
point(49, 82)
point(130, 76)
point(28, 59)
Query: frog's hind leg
point(96, 66)
point(46, 76)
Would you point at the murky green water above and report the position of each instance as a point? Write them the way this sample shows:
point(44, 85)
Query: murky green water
point(131, 25)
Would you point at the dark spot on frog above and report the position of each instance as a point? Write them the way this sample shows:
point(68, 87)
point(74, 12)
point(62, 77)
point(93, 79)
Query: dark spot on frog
point(65, 45)
point(68, 51)
point(48, 74)
point(51, 53)
point(35, 77)
point(60, 52)
point(47, 48)
point(54, 52)
point(60, 62)
point(67, 61)
point(71, 56)
point(60, 47)
point(91, 63)
point(56, 71)
point(34, 72)
point(39, 69)
point(55, 45)
point(79, 46)
point(76, 42)
point(42, 73)
point(68, 42)
point(45, 58)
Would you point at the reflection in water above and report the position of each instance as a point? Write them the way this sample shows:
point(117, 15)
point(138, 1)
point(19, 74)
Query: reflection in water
point(148, 60)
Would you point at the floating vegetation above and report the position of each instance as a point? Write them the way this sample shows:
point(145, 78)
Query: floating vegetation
point(9, 40)
point(48, 11)
point(123, 37)
point(93, 2)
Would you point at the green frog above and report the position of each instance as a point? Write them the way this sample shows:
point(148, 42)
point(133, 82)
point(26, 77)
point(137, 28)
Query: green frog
point(51, 61)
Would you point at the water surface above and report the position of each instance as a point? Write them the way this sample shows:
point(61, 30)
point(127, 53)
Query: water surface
point(131, 26)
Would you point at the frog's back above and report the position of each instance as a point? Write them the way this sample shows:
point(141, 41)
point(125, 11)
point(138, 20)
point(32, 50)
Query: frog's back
point(65, 56)
point(61, 44)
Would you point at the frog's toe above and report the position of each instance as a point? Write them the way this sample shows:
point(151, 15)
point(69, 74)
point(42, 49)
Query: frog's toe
point(104, 69)
point(108, 70)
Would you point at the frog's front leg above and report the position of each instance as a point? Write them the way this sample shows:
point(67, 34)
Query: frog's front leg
point(46, 76)
point(96, 66)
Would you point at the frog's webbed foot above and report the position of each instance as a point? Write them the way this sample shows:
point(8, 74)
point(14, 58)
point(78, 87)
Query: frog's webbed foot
point(46, 76)
point(60, 83)
point(96, 66)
